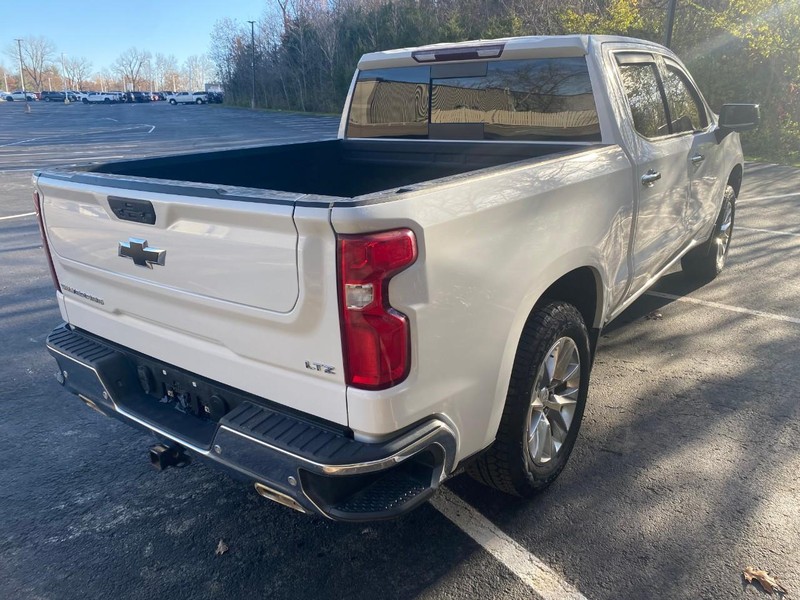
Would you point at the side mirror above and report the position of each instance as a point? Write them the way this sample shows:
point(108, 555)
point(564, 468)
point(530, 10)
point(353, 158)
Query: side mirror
point(739, 117)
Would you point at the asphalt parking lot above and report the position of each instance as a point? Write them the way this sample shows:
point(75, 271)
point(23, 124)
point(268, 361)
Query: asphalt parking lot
point(687, 468)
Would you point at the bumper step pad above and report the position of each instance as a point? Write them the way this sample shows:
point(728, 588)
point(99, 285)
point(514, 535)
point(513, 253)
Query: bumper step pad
point(339, 477)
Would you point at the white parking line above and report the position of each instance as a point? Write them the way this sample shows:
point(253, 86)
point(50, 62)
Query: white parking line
point(737, 309)
point(541, 579)
point(775, 197)
point(772, 231)
point(30, 214)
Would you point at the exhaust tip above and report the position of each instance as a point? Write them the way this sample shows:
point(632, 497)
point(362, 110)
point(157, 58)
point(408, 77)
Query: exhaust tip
point(278, 497)
point(91, 404)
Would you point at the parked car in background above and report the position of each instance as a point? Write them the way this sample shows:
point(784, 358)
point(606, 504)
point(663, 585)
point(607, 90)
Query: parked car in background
point(138, 96)
point(188, 98)
point(159, 96)
point(54, 96)
point(215, 97)
point(99, 97)
point(19, 96)
point(118, 96)
point(78, 96)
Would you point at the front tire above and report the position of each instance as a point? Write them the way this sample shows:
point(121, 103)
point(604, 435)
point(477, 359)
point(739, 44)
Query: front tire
point(544, 405)
point(706, 261)
point(199, 101)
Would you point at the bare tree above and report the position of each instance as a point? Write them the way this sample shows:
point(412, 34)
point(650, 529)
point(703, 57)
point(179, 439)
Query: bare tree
point(37, 56)
point(106, 79)
point(9, 78)
point(77, 71)
point(162, 66)
point(130, 66)
point(196, 70)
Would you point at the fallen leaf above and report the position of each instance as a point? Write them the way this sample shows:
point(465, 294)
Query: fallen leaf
point(222, 548)
point(653, 316)
point(766, 580)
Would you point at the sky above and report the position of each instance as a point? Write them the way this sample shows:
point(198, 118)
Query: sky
point(100, 30)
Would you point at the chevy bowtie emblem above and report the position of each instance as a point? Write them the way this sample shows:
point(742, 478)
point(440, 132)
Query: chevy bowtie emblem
point(140, 254)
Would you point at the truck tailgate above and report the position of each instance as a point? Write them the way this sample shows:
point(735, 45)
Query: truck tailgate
point(218, 287)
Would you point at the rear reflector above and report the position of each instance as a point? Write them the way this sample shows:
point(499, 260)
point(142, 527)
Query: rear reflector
point(375, 336)
point(37, 205)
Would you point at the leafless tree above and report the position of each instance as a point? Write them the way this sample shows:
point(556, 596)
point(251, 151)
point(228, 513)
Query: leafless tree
point(130, 66)
point(197, 69)
point(37, 56)
point(77, 71)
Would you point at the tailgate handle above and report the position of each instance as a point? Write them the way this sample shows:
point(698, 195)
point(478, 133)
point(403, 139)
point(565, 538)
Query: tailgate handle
point(128, 209)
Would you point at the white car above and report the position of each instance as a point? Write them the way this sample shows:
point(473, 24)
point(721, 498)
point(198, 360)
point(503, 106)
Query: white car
point(18, 96)
point(77, 96)
point(188, 98)
point(99, 97)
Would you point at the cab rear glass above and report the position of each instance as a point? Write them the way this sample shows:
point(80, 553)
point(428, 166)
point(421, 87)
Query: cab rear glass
point(545, 99)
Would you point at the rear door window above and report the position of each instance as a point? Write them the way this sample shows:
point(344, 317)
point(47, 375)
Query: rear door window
point(686, 110)
point(643, 91)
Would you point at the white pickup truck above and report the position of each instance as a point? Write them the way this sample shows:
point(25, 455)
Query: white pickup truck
point(347, 323)
point(188, 98)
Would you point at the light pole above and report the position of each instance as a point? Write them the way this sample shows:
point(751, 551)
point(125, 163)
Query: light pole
point(21, 77)
point(253, 61)
point(64, 78)
point(5, 80)
point(670, 23)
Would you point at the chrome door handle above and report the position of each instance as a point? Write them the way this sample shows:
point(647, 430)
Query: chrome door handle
point(697, 159)
point(649, 179)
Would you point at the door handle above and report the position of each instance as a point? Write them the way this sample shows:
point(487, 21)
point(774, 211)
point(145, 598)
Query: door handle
point(697, 159)
point(649, 179)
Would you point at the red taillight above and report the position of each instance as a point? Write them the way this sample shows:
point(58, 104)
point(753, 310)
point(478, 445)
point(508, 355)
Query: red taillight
point(375, 337)
point(37, 204)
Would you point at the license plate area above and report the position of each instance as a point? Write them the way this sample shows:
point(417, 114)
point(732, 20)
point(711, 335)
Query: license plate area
point(184, 392)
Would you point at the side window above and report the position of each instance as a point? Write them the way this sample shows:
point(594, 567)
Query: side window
point(685, 108)
point(640, 80)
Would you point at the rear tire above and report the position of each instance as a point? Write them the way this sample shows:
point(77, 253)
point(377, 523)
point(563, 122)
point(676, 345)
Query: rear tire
point(544, 405)
point(199, 101)
point(706, 261)
point(173, 102)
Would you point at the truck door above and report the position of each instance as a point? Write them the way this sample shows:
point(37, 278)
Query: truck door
point(689, 117)
point(660, 168)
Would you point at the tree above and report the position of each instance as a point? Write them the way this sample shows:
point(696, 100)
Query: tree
point(197, 69)
point(130, 66)
point(9, 79)
point(77, 71)
point(37, 57)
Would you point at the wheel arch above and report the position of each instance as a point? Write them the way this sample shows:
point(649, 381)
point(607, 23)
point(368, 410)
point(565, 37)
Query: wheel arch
point(735, 178)
point(582, 285)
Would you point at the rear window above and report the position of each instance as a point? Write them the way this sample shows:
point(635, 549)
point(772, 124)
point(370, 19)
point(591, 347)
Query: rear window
point(517, 100)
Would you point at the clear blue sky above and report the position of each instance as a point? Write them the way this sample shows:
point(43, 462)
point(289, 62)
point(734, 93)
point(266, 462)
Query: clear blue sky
point(101, 29)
